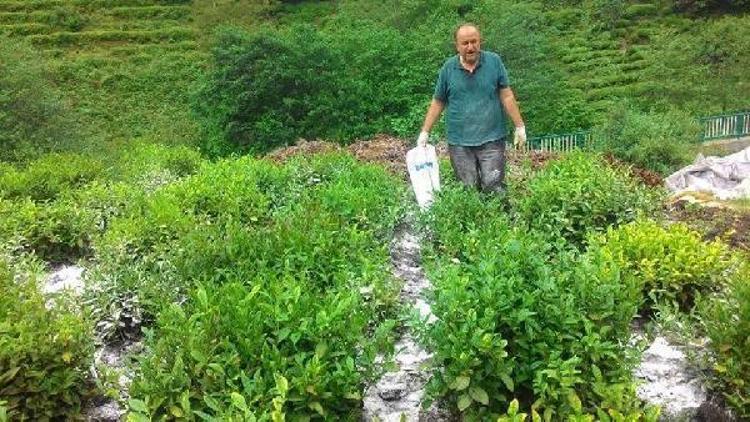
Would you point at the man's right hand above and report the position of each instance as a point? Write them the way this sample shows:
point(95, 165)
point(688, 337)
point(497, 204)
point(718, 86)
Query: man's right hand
point(422, 139)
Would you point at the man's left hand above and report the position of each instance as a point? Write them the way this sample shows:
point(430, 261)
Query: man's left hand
point(519, 137)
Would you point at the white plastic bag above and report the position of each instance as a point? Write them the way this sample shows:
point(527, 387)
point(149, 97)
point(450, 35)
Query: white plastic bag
point(424, 173)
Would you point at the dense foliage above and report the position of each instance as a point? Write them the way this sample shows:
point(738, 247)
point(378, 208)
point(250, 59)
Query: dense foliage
point(265, 283)
point(672, 263)
point(34, 118)
point(659, 142)
point(518, 319)
point(579, 194)
point(726, 319)
point(45, 351)
point(273, 87)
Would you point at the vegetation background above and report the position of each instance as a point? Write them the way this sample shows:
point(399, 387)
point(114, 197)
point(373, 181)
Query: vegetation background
point(247, 76)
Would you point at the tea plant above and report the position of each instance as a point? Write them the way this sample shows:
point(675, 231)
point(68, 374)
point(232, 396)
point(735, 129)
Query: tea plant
point(58, 231)
point(520, 317)
point(671, 263)
point(259, 272)
point(580, 194)
point(725, 317)
point(49, 176)
point(45, 354)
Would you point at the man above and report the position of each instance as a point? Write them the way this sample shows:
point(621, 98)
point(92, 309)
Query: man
point(473, 85)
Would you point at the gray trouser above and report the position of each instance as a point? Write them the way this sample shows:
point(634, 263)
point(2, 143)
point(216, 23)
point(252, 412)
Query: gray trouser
point(481, 165)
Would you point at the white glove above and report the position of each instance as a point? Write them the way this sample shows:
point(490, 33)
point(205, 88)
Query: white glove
point(422, 139)
point(519, 137)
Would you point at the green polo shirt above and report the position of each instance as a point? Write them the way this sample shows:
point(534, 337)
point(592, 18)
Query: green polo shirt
point(473, 115)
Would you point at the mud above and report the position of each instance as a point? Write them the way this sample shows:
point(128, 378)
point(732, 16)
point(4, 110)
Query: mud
point(714, 222)
point(390, 152)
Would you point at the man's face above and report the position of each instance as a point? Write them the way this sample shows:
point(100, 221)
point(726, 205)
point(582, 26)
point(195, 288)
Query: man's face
point(467, 44)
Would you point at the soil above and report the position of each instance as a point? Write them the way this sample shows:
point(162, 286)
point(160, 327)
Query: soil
point(390, 152)
point(647, 177)
point(730, 225)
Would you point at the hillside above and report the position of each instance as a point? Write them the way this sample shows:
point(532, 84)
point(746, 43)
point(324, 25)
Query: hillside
point(129, 67)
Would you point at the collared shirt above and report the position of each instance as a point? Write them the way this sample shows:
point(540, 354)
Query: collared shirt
point(474, 114)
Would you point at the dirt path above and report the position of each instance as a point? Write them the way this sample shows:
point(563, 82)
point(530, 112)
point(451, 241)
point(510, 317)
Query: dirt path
point(398, 394)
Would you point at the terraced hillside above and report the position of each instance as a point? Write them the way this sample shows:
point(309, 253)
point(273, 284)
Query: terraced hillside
point(647, 53)
point(126, 66)
point(607, 62)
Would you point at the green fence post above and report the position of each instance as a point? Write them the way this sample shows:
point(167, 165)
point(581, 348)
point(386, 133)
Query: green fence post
point(740, 127)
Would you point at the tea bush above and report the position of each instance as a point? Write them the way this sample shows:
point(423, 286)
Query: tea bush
point(659, 142)
point(261, 273)
point(579, 194)
point(517, 318)
point(50, 175)
point(141, 160)
point(45, 353)
point(670, 263)
point(59, 231)
point(725, 317)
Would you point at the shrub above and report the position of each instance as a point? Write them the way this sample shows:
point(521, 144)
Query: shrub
point(141, 162)
point(45, 354)
point(47, 177)
point(276, 308)
point(658, 142)
point(726, 320)
point(518, 319)
point(33, 116)
point(581, 193)
point(271, 88)
point(59, 231)
point(670, 263)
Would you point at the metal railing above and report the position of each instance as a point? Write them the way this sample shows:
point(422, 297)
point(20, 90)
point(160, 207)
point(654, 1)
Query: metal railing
point(563, 142)
point(725, 126)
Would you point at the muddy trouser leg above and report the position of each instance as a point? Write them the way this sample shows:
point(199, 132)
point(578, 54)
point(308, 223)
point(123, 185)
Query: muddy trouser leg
point(491, 158)
point(464, 163)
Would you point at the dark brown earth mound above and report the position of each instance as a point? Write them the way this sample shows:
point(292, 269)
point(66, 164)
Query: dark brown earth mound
point(730, 225)
point(390, 152)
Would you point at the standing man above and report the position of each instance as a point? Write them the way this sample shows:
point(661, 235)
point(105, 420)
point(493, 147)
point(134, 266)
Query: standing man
point(472, 85)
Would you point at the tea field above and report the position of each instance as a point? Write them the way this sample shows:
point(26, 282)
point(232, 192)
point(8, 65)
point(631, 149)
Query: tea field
point(228, 177)
point(262, 290)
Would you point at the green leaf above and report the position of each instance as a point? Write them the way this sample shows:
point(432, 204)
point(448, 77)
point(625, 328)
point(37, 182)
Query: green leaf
point(176, 411)
point(460, 383)
point(317, 407)
point(464, 401)
point(238, 401)
point(353, 396)
point(574, 401)
point(138, 405)
point(508, 381)
point(513, 407)
point(137, 417)
point(9, 374)
point(185, 401)
point(479, 395)
point(282, 385)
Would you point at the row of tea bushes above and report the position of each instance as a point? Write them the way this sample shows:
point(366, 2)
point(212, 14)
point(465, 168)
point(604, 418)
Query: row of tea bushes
point(536, 306)
point(46, 349)
point(262, 285)
point(55, 205)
